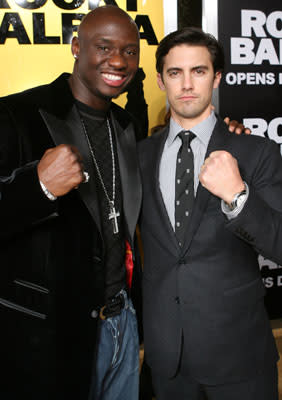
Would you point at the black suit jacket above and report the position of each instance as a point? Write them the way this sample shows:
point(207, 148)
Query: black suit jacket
point(52, 254)
point(209, 294)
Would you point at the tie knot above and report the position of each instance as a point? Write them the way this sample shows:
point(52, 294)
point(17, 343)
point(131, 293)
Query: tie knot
point(186, 137)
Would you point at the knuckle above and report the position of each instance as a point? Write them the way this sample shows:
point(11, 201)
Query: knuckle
point(63, 147)
point(77, 169)
point(78, 178)
point(224, 155)
point(63, 151)
point(67, 149)
point(204, 175)
point(72, 159)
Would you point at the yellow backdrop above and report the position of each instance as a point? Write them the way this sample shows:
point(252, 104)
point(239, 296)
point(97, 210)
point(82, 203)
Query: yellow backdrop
point(25, 63)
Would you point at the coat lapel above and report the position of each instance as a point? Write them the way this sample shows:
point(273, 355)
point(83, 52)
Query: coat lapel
point(64, 124)
point(218, 141)
point(169, 234)
point(130, 178)
point(69, 130)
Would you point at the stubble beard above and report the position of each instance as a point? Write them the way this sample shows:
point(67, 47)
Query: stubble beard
point(192, 111)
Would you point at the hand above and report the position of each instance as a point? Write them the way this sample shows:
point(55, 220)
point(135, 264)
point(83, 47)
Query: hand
point(220, 175)
point(61, 169)
point(234, 126)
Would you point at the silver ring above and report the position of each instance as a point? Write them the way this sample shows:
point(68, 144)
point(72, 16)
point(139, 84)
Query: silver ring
point(86, 177)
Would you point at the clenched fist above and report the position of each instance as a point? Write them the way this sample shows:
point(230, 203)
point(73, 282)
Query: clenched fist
point(221, 176)
point(61, 169)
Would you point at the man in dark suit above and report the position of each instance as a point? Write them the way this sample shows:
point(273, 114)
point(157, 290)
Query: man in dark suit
point(211, 204)
point(70, 199)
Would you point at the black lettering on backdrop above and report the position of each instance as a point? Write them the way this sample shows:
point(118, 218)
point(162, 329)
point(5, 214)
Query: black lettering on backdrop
point(4, 4)
point(30, 5)
point(110, 2)
point(143, 21)
point(68, 5)
point(39, 36)
point(69, 27)
point(131, 5)
point(19, 32)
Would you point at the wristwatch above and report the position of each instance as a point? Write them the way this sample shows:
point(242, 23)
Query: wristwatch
point(238, 199)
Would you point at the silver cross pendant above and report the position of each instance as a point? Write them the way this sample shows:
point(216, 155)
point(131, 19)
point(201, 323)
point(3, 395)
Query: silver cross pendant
point(113, 216)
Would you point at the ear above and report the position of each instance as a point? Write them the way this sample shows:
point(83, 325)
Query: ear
point(75, 46)
point(217, 79)
point(160, 82)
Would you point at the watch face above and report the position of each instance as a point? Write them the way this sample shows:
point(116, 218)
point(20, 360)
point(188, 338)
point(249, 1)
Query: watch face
point(241, 199)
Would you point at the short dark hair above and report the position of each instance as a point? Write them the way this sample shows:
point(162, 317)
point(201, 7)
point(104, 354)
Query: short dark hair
point(192, 37)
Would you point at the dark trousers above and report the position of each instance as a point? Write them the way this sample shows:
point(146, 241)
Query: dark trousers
point(262, 387)
point(145, 384)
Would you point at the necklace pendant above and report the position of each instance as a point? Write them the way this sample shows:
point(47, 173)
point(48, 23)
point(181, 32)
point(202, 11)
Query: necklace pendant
point(113, 217)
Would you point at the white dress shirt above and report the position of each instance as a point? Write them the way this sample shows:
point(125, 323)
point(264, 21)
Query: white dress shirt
point(199, 145)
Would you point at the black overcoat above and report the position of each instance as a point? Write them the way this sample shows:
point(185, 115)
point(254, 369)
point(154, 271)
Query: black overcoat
point(52, 254)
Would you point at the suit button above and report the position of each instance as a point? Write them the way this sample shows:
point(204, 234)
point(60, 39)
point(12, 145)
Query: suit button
point(97, 259)
point(181, 261)
point(177, 300)
point(94, 314)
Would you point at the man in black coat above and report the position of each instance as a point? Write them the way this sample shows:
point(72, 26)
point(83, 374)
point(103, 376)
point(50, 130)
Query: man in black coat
point(211, 204)
point(70, 199)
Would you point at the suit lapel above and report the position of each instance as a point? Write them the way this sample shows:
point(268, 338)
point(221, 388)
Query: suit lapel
point(130, 179)
point(218, 141)
point(171, 240)
point(69, 130)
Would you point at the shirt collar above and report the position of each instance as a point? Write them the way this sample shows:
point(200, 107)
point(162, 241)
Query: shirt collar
point(203, 130)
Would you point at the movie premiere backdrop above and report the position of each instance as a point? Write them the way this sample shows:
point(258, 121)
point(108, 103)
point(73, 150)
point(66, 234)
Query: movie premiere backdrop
point(35, 37)
point(251, 88)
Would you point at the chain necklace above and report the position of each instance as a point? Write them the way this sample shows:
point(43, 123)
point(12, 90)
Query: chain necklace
point(113, 214)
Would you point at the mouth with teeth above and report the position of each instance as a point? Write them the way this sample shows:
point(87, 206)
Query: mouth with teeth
point(113, 79)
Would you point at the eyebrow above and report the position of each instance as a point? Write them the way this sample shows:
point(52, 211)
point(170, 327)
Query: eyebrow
point(102, 39)
point(192, 69)
point(200, 67)
point(109, 41)
point(174, 69)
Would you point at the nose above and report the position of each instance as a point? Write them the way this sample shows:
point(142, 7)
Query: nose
point(187, 82)
point(117, 60)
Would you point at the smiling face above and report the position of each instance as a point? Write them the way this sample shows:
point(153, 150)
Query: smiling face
point(107, 56)
point(188, 78)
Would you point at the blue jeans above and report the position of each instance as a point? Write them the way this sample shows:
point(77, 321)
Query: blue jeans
point(117, 365)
